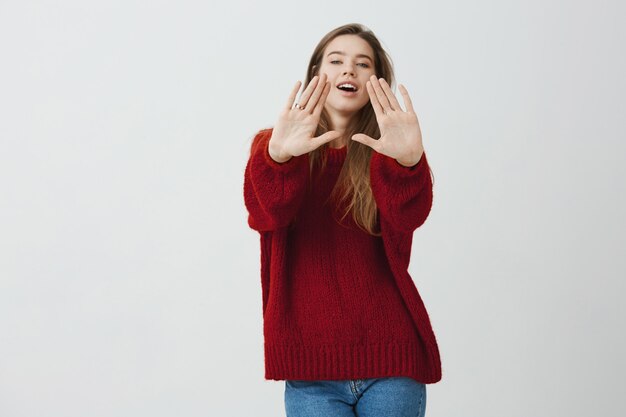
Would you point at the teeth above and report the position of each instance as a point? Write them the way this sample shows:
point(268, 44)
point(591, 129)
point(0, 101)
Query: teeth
point(348, 86)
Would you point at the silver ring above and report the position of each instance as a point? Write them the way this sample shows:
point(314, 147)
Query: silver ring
point(299, 107)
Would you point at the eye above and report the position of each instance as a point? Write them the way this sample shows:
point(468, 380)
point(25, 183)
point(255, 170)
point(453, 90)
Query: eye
point(332, 62)
point(364, 65)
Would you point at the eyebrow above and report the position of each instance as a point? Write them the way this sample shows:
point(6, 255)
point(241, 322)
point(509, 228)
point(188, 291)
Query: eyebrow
point(358, 55)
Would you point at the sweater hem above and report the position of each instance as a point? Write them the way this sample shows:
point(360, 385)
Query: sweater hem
point(340, 362)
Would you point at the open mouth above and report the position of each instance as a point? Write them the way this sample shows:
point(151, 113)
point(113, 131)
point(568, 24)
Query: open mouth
point(348, 87)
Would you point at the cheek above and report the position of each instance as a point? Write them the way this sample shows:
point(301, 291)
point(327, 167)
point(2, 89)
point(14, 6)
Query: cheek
point(329, 75)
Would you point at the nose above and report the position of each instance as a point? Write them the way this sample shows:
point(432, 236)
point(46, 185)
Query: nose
point(349, 69)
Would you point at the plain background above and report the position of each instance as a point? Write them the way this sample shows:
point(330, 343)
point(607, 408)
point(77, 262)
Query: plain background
point(130, 281)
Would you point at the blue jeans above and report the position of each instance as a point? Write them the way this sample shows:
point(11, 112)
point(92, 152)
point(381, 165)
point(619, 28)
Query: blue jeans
point(370, 397)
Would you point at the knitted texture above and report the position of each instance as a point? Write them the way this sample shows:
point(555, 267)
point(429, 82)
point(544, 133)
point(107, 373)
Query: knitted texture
point(339, 303)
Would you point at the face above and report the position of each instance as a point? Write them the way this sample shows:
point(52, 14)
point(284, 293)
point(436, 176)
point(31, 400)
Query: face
point(347, 59)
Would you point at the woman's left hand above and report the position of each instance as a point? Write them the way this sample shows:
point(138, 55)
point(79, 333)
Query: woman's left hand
point(400, 135)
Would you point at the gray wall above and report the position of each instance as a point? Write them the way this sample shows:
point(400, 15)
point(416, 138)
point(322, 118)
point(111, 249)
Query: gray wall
point(130, 282)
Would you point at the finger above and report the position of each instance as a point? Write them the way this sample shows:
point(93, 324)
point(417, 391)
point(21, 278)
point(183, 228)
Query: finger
point(382, 98)
point(324, 138)
point(374, 99)
point(390, 95)
point(366, 140)
point(292, 96)
point(306, 94)
point(320, 103)
point(407, 100)
point(316, 93)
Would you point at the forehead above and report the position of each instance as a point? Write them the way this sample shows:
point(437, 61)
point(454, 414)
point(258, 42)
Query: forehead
point(349, 44)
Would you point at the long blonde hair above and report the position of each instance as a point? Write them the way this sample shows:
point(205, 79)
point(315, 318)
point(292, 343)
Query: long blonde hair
point(353, 184)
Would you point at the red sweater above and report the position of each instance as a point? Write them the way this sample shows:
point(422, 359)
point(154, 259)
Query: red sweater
point(339, 303)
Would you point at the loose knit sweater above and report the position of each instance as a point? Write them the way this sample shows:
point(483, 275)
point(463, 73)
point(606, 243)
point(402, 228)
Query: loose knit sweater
point(339, 303)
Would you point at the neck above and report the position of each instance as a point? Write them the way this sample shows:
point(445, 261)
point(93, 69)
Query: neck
point(339, 122)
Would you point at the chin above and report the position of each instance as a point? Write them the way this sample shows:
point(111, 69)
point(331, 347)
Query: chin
point(347, 108)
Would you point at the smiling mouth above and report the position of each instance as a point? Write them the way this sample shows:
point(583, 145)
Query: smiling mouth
point(347, 87)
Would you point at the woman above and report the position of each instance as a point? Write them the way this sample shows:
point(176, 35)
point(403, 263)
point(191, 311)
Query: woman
point(336, 190)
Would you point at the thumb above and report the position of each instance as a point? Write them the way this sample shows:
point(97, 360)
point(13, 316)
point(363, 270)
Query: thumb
point(365, 140)
point(326, 137)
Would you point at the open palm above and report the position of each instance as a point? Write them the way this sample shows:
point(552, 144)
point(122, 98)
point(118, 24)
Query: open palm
point(400, 134)
point(294, 132)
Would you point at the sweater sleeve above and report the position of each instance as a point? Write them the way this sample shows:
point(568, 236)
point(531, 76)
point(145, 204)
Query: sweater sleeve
point(403, 195)
point(273, 191)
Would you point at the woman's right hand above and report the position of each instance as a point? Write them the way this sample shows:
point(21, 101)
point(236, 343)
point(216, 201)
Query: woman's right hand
point(293, 133)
